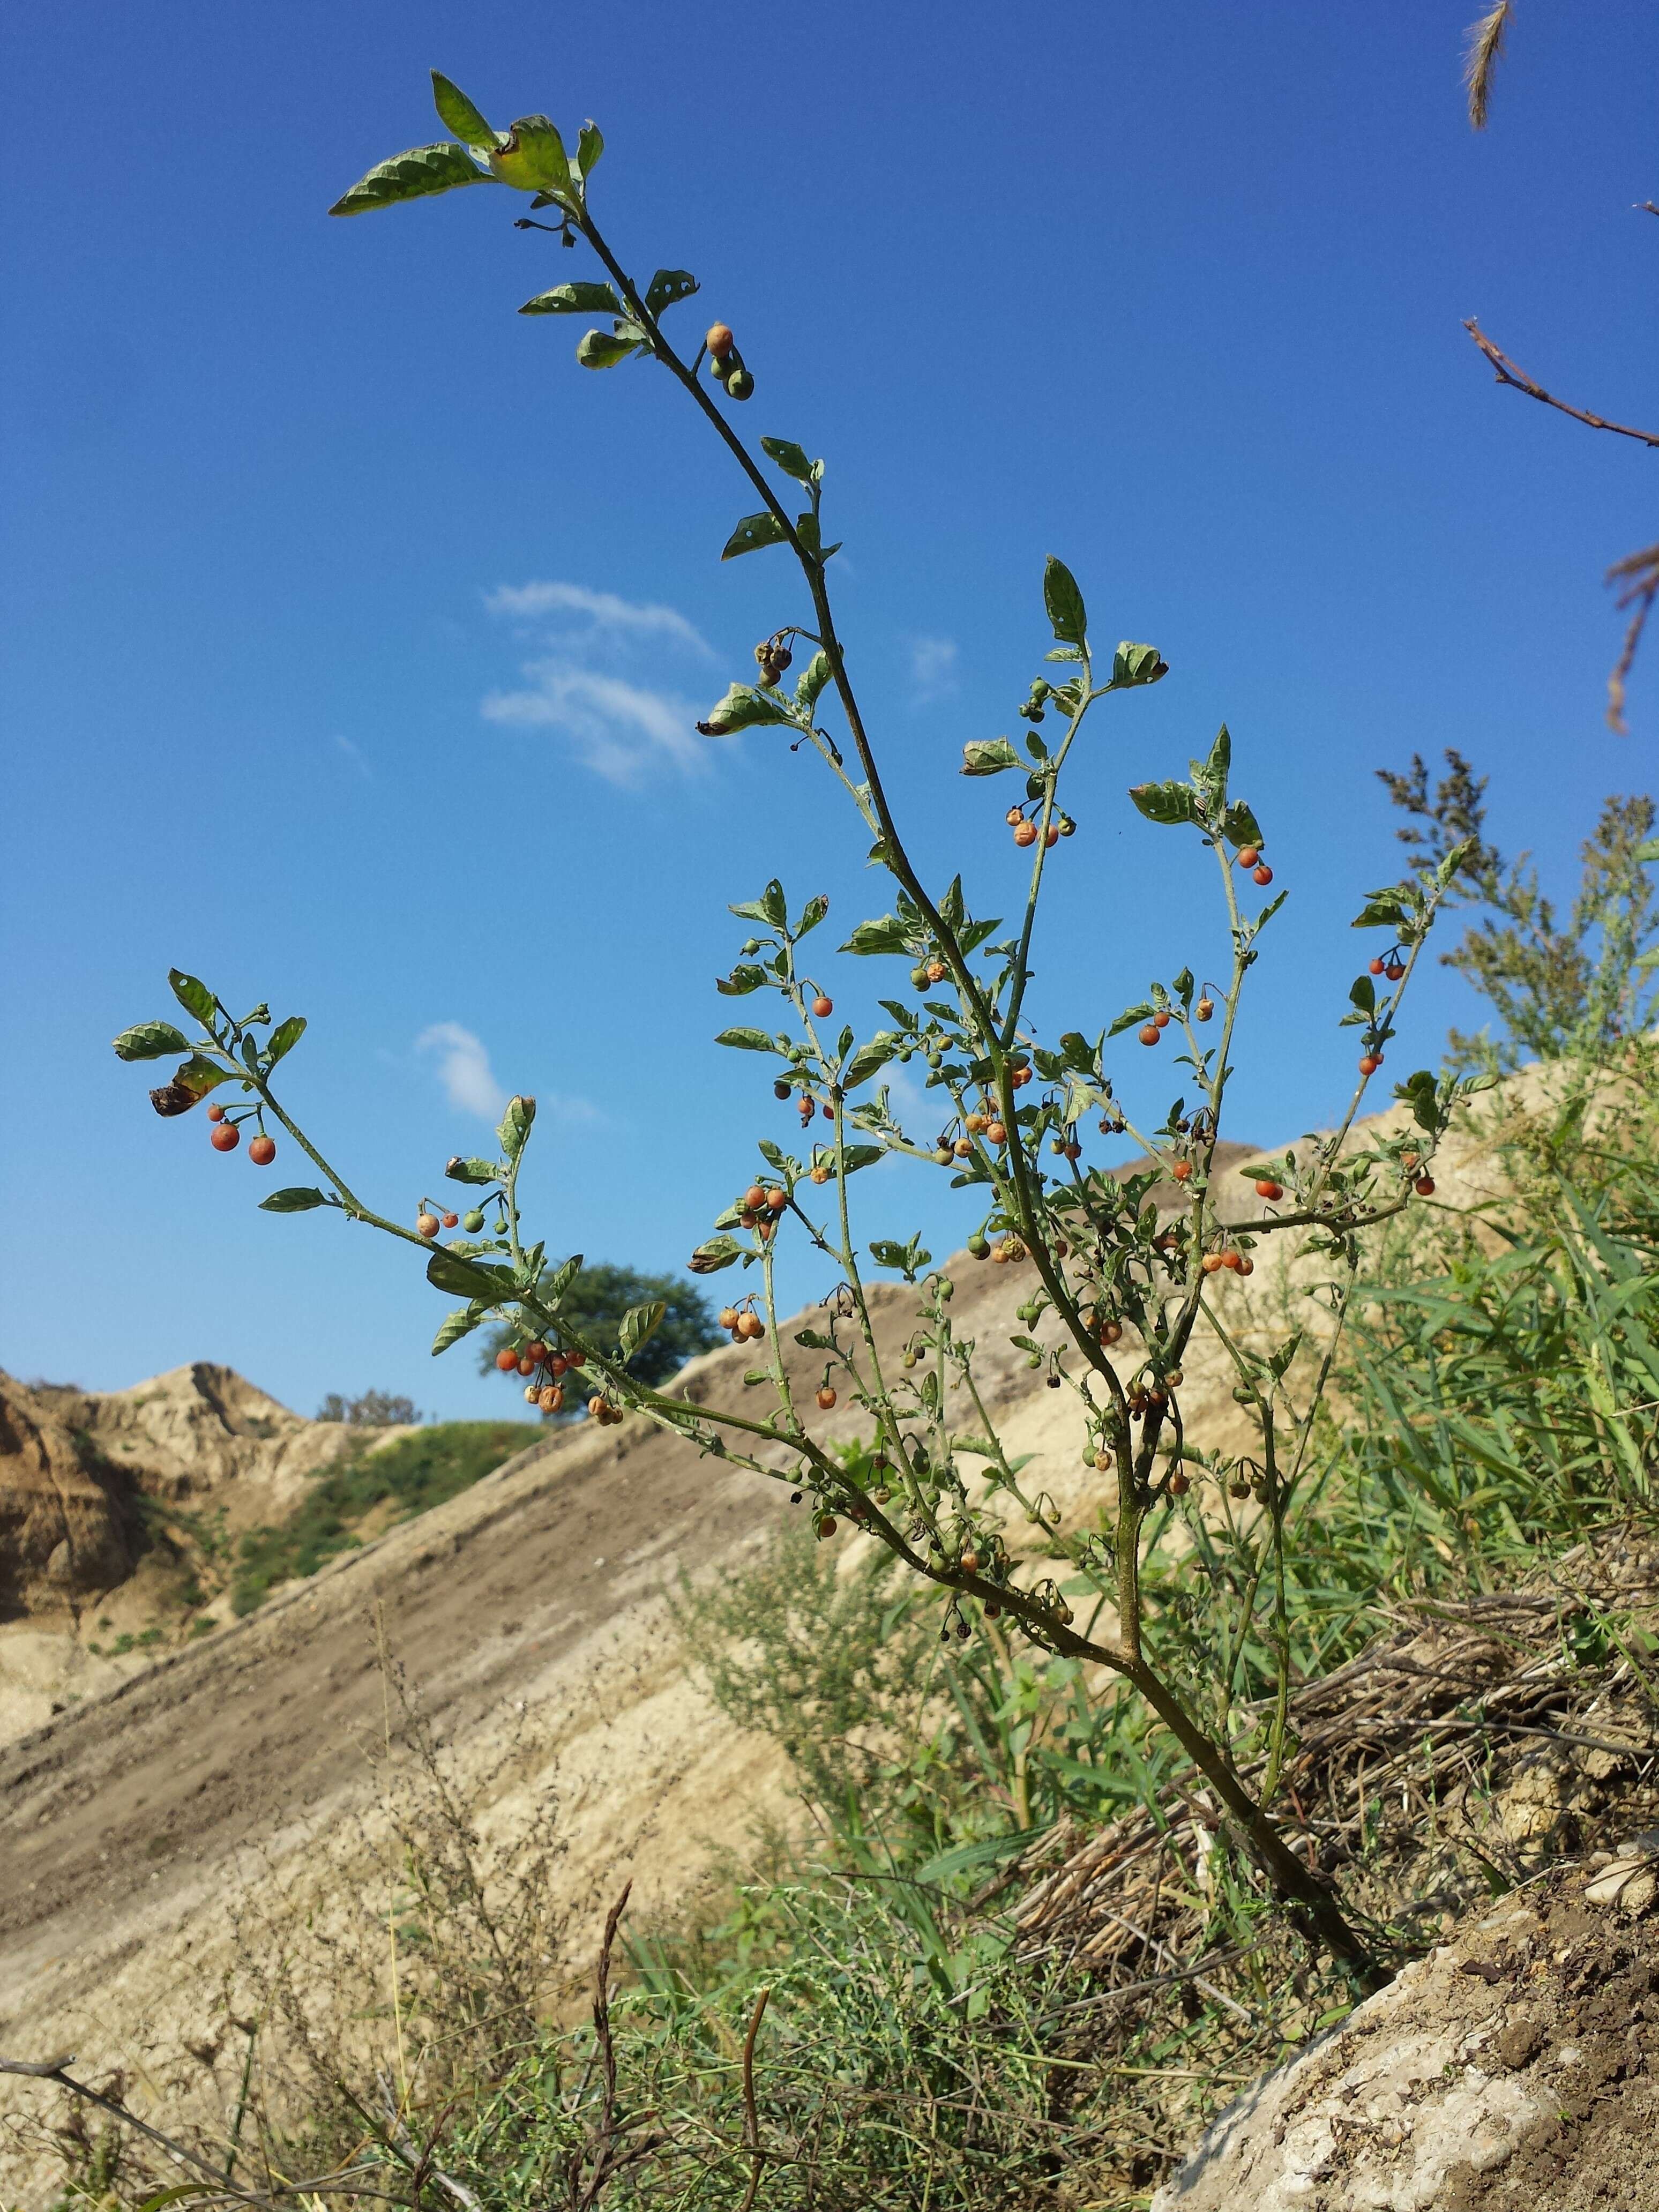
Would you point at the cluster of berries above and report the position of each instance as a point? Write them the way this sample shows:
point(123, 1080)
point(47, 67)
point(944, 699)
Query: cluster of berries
point(742, 1324)
point(760, 1206)
point(928, 971)
point(1027, 831)
point(224, 1136)
point(726, 363)
point(544, 1371)
point(1250, 857)
point(1041, 690)
point(1236, 1262)
point(773, 657)
point(428, 1224)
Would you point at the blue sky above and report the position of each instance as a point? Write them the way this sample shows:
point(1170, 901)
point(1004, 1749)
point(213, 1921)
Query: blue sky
point(353, 633)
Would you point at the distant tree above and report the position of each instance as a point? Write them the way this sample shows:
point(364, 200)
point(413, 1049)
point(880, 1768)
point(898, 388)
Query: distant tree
point(376, 1409)
point(594, 1305)
point(1561, 985)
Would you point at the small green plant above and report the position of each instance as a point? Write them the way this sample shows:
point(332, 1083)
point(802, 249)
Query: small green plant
point(1121, 1288)
point(1572, 990)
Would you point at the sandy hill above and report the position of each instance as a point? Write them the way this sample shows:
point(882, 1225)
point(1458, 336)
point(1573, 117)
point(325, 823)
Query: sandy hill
point(136, 1827)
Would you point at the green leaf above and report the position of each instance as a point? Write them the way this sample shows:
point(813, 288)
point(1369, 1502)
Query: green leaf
point(812, 913)
point(1131, 1016)
point(193, 996)
point(869, 1058)
point(668, 287)
point(743, 708)
point(740, 982)
point(201, 1075)
point(590, 145)
point(1217, 768)
point(515, 1125)
point(473, 1170)
point(453, 1327)
point(719, 1252)
point(457, 111)
point(752, 532)
point(855, 1157)
point(532, 159)
point(1166, 802)
point(1239, 826)
point(1064, 602)
point(1363, 993)
point(1381, 910)
point(467, 1279)
point(299, 1198)
point(411, 176)
point(889, 934)
point(771, 907)
point(1137, 663)
point(579, 298)
point(150, 1041)
point(747, 1040)
point(988, 756)
point(599, 350)
point(791, 458)
point(639, 1325)
point(806, 529)
point(283, 1038)
point(812, 679)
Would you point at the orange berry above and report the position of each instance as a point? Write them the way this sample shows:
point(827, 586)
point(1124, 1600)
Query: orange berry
point(1179, 1485)
point(719, 340)
point(1247, 856)
point(1263, 875)
point(1026, 833)
point(216, 1112)
point(937, 971)
point(1160, 1019)
point(750, 1325)
point(262, 1152)
point(996, 1133)
point(753, 1199)
point(823, 1007)
point(426, 1224)
point(777, 1200)
point(1051, 835)
point(506, 1360)
point(551, 1399)
point(1233, 1260)
point(1375, 966)
point(820, 1175)
point(225, 1137)
point(826, 1398)
point(1395, 969)
point(596, 1406)
point(1211, 1262)
point(1150, 1034)
point(1013, 817)
point(1369, 1062)
point(1268, 1188)
point(536, 1350)
point(728, 1318)
point(1182, 1171)
point(962, 1148)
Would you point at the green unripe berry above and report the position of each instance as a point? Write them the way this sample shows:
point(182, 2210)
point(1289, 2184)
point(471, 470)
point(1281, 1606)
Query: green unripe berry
point(739, 385)
point(919, 977)
point(472, 1223)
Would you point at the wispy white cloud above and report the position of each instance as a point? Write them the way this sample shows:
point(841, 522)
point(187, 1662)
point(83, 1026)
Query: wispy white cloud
point(354, 754)
point(619, 729)
point(464, 1069)
point(598, 684)
point(604, 610)
point(932, 669)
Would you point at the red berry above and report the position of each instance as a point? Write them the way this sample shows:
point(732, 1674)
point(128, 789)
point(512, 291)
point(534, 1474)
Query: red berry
point(216, 1112)
point(753, 1199)
point(527, 1364)
point(1263, 875)
point(1268, 1189)
point(1370, 1062)
point(426, 1224)
point(1395, 969)
point(1247, 856)
point(1375, 967)
point(1423, 1186)
point(451, 1220)
point(826, 1398)
point(1246, 1265)
point(1233, 1260)
point(262, 1152)
point(1051, 835)
point(225, 1137)
point(1160, 1019)
point(506, 1360)
point(536, 1351)
point(1150, 1034)
point(1182, 1171)
point(823, 1007)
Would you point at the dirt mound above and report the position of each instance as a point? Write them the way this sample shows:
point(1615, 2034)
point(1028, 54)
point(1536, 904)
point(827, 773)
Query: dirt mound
point(67, 1524)
point(1517, 2068)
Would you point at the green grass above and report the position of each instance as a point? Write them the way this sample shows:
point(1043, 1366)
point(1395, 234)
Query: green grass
point(413, 1474)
